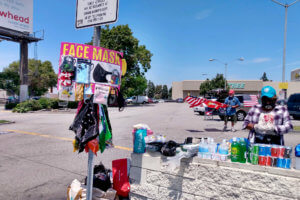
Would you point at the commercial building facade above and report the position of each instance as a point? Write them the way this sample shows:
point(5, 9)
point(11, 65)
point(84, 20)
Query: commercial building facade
point(192, 87)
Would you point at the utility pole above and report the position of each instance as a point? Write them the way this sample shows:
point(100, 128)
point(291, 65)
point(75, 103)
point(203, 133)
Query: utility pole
point(286, 6)
point(96, 42)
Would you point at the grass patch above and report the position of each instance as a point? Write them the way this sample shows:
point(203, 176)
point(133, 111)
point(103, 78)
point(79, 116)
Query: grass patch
point(296, 128)
point(3, 121)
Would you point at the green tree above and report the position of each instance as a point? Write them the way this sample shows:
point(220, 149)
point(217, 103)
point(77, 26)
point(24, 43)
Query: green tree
point(151, 89)
point(158, 92)
point(41, 76)
point(10, 80)
point(219, 82)
point(205, 87)
point(216, 83)
point(138, 58)
point(139, 84)
point(170, 93)
point(164, 92)
point(264, 77)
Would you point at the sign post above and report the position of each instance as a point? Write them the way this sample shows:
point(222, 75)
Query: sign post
point(95, 13)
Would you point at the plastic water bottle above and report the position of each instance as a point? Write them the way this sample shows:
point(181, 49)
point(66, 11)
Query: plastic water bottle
point(223, 150)
point(205, 149)
point(212, 148)
point(200, 152)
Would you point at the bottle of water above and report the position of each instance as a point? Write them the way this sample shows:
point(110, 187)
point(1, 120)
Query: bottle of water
point(223, 150)
point(200, 152)
point(205, 149)
point(212, 148)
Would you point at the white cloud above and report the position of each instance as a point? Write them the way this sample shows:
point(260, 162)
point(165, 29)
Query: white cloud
point(261, 60)
point(203, 14)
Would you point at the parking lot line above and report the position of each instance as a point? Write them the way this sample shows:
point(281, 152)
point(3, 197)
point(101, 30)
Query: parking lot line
point(59, 138)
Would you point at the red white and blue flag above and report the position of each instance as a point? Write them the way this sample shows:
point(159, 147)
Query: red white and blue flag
point(194, 101)
point(251, 102)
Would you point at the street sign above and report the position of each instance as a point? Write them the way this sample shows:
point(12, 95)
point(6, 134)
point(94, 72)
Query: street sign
point(17, 15)
point(283, 85)
point(96, 12)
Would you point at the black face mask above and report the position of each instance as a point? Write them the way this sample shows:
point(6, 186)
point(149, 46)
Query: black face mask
point(268, 103)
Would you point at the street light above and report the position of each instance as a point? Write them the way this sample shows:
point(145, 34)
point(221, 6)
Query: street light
point(226, 64)
point(286, 6)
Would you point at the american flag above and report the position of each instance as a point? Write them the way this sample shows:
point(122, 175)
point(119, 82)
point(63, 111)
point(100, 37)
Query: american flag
point(250, 101)
point(194, 101)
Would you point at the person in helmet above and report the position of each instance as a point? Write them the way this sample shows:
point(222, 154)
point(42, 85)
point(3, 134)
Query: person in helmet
point(267, 121)
point(232, 103)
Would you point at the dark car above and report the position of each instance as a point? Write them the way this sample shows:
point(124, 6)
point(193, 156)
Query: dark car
point(246, 100)
point(179, 100)
point(281, 102)
point(293, 105)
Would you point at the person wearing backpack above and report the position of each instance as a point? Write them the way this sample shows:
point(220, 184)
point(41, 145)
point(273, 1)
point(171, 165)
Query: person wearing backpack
point(232, 103)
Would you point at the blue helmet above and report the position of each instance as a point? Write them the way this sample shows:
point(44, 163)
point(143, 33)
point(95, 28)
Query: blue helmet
point(268, 91)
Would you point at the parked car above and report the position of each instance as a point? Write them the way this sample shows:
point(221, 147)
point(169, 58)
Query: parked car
point(140, 99)
point(201, 109)
point(152, 100)
point(35, 97)
point(247, 101)
point(12, 99)
point(128, 100)
point(179, 100)
point(293, 105)
point(282, 102)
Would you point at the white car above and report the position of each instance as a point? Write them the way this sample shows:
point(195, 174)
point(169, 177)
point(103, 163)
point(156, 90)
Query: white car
point(140, 99)
point(201, 109)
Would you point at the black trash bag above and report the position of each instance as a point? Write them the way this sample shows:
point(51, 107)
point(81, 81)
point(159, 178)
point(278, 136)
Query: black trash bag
point(169, 149)
point(85, 124)
point(101, 177)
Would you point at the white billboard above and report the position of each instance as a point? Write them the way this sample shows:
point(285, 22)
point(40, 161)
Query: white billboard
point(17, 15)
point(96, 12)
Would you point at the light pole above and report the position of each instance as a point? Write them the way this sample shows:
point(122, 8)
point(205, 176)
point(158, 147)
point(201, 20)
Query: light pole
point(286, 6)
point(226, 64)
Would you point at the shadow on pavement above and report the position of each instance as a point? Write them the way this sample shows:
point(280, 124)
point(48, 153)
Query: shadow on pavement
point(213, 130)
point(194, 131)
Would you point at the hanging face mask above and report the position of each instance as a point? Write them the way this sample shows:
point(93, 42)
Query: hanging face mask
point(268, 103)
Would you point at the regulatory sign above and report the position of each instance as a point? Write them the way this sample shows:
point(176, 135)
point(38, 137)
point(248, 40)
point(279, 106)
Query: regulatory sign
point(96, 12)
point(17, 15)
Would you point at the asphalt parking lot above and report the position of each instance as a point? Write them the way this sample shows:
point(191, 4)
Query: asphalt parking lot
point(36, 153)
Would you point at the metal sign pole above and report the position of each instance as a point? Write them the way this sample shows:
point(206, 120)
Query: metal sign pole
point(96, 42)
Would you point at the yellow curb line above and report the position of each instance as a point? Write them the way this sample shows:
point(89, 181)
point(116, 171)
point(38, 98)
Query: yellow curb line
point(59, 138)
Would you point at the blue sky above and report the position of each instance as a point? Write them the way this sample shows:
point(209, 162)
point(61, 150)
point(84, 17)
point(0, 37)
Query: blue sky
point(183, 36)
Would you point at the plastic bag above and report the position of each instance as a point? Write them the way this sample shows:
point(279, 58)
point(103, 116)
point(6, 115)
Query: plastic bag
point(75, 191)
point(101, 178)
point(169, 148)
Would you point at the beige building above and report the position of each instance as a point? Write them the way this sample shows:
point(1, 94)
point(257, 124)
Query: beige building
point(191, 87)
point(295, 75)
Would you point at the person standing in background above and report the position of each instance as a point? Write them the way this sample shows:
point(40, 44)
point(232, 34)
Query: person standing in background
point(232, 103)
